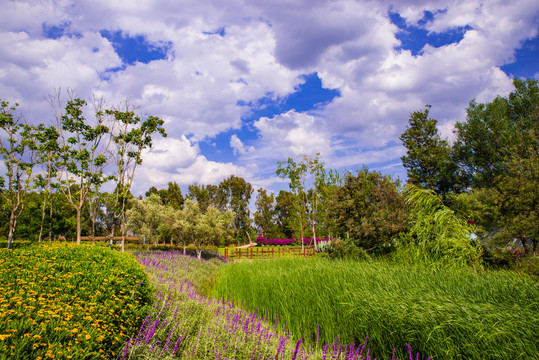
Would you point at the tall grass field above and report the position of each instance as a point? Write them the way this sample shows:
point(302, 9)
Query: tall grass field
point(445, 313)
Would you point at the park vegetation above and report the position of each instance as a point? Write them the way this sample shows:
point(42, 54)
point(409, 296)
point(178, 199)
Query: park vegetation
point(428, 263)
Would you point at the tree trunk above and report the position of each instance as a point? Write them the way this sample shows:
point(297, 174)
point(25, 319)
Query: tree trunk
point(122, 229)
point(111, 235)
point(42, 219)
point(12, 224)
point(78, 225)
point(50, 217)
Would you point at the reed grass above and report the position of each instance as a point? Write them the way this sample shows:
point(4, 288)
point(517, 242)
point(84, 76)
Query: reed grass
point(450, 313)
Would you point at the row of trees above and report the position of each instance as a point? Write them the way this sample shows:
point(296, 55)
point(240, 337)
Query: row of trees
point(86, 147)
point(488, 176)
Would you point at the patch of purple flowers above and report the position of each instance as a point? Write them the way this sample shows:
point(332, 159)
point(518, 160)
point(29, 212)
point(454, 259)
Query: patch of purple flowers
point(184, 323)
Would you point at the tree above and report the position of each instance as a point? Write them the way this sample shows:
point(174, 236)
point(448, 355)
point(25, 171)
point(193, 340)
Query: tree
point(47, 157)
point(306, 200)
point(428, 159)
point(519, 188)
point(147, 218)
point(485, 141)
point(284, 209)
point(193, 226)
point(83, 149)
point(237, 193)
point(200, 194)
point(370, 210)
point(265, 212)
point(18, 152)
point(132, 135)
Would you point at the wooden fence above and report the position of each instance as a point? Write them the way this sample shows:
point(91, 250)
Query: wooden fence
point(107, 238)
point(270, 252)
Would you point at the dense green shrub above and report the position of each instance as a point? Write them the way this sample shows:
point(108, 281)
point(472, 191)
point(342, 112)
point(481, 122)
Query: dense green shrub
point(69, 301)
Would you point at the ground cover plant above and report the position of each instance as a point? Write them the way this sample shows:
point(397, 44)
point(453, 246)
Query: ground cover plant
point(187, 324)
point(448, 313)
point(70, 302)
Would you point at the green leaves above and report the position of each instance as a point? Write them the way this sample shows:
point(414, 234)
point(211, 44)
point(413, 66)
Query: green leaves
point(427, 161)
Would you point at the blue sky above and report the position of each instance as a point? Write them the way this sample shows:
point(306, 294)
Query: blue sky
point(244, 87)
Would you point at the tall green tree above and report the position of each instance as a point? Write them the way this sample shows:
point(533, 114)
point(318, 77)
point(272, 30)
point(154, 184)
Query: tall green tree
point(237, 192)
point(485, 141)
point(284, 208)
point(370, 210)
point(519, 194)
point(83, 151)
point(264, 217)
point(428, 160)
point(47, 157)
point(310, 186)
point(200, 194)
point(18, 150)
point(132, 134)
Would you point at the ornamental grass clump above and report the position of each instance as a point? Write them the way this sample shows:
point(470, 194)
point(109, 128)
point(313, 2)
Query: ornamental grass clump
point(447, 313)
point(70, 302)
point(437, 236)
point(186, 324)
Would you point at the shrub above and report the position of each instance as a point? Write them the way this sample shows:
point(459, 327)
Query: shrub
point(60, 300)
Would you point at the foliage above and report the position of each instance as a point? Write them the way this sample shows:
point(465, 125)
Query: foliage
point(185, 323)
point(448, 313)
point(171, 196)
point(519, 198)
point(284, 207)
point(236, 193)
point(17, 152)
point(264, 217)
point(146, 219)
point(428, 158)
point(484, 141)
point(311, 188)
point(437, 235)
point(346, 249)
point(68, 301)
point(82, 151)
point(370, 210)
point(132, 136)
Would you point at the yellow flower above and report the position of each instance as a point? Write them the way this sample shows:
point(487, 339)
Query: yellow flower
point(2, 337)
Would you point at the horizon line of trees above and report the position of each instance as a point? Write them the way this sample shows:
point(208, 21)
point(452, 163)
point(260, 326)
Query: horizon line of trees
point(488, 176)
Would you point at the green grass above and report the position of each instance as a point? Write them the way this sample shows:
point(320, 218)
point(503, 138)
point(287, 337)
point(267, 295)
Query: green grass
point(265, 252)
point(71, 302)
point(444, 313)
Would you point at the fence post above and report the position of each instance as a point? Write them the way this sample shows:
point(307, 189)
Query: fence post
point(272, 252)
point(251, 253)
point(226, 253)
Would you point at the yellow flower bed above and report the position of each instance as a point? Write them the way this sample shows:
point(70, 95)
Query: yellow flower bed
point(65, 301)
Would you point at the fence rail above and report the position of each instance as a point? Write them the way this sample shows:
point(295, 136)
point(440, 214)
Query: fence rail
point(107, 238)
point(262, 252)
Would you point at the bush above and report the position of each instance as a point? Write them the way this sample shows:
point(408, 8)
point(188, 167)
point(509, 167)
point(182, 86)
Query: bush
point(346, 250)
point(61, 299)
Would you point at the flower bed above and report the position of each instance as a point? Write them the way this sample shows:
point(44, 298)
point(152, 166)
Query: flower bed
point(68, 301)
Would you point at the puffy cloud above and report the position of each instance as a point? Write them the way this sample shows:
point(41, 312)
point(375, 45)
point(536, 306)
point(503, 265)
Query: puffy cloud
point(238, 146)
point(179, 160)
point(291, 134)
point(222, 57)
